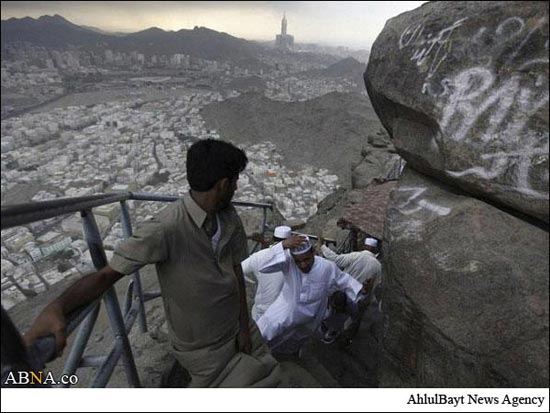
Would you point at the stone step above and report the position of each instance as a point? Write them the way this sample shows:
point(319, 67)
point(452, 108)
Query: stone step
point(306, 371)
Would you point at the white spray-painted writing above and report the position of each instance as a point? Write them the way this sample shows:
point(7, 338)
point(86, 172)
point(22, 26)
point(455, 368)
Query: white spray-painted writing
point(494, 112)
point(500, 162)
point(510, 28)
point(502, 110)
point(430, 46)
point(473, 95)
point(539, 25)
point(479, 49)
point(412, 204)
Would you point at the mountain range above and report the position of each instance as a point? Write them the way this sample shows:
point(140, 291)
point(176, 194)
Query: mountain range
point(55, 32)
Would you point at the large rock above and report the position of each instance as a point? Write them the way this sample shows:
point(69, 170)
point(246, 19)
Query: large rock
point(462, 88)
point(377, 165)
point(465, 292)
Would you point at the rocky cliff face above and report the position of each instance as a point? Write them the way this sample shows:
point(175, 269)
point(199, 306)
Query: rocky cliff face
point(379, 162)
point(462, 89)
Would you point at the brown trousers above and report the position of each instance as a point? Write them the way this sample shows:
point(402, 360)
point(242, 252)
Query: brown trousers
point(223, 366)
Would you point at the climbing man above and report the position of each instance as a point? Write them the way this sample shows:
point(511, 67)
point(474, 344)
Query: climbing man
point(298, 311)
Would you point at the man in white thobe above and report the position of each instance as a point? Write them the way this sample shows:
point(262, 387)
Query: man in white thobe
point(302, 305)
point(269, 285)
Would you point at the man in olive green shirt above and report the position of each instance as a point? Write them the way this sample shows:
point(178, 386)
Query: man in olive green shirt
point(197, 245)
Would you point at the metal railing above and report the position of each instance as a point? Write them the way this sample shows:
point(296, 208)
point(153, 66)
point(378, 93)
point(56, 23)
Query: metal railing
point(14, 355)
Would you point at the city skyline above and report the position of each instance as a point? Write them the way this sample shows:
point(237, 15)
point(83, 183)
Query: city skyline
point(350, 24)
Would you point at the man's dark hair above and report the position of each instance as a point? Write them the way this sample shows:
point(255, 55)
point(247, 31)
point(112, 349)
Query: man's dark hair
point(210, 160)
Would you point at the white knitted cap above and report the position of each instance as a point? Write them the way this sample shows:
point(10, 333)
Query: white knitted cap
point(372, 242)
point(303, 248)
point(282, 232)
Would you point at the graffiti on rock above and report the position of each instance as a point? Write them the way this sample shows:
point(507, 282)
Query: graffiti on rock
point(429, 48)
point(495, 113)
point(417, 202)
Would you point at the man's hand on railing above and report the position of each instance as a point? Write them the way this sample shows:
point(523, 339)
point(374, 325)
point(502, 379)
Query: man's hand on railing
point(57, 317)
point(50, 321)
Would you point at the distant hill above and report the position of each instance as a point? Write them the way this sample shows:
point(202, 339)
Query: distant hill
point(48, 31)
point(345, 67)
point(200, 41)
point(348, 67)
point(57, 32)
point(326, 132)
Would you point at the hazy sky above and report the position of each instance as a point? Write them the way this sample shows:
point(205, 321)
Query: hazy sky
point(347, 23)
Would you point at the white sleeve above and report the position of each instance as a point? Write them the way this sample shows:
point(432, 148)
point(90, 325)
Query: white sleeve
point(274, 260)
point(247, 266)
point(275, 320)
point(328, 253)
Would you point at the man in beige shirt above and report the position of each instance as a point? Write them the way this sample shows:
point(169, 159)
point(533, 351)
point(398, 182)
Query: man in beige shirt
point(197, 245)
point(362, 265)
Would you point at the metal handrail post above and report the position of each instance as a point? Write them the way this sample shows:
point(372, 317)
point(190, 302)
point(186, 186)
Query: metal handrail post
point(138, 290)
point(109, 362)
point(119, 331)
point(263, 228)
point(151, 295)
point(78, 348)
point(129, 298)
point(106, 370)
point(95, 245)
point(92, 361)
point(264, 221)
